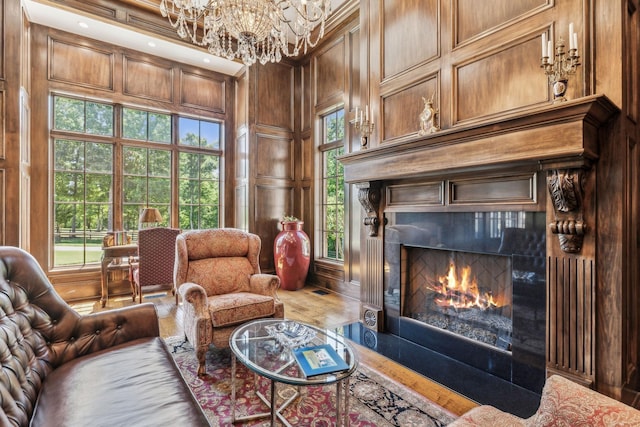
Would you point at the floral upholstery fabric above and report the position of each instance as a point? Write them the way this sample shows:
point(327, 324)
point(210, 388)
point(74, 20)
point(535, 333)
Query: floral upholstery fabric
point(236, 308)
point(564, 403)
point(219, 276)
point(217, 272)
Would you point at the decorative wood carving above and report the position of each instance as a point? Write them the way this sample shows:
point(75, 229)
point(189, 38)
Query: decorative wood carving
point(566, 191)
point(369, 198)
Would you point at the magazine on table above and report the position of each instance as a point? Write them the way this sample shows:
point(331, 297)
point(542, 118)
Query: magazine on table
point(319, 360)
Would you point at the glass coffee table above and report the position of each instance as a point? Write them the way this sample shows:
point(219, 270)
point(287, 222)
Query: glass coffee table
point(266, 347)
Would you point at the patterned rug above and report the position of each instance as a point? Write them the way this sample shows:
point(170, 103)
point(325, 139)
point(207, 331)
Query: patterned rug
point(376, 400)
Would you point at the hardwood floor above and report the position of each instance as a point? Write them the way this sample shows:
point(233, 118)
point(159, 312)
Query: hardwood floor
point(317, 307)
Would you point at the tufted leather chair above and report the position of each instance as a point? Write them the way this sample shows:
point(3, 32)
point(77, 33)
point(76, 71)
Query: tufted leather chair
point(218, 276)
point(53, 360)
point(153, 271)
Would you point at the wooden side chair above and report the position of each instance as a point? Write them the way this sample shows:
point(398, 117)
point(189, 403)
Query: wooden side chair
point(153, 269)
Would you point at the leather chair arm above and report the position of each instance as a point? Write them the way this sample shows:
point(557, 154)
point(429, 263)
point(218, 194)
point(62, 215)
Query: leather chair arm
point(99, 331)
point(264, 284)
point(195, 295)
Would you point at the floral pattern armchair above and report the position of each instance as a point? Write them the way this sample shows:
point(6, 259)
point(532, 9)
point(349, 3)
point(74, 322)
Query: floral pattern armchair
point(218, 276)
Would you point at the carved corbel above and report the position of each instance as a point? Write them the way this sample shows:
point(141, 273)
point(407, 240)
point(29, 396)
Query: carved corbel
point(369, 197)
point(567, 194)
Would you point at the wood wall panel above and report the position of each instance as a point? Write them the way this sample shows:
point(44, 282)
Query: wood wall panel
point(271, 204)
point(572, 316)
point(92, 66)
point(472, 18)
point(202, 91)
point(401, 110)
point(3, 204)
point(411, 32)
point(3, 31)
point(306, 163)
point(507, 190)
point(274, 93)
point(242, 157)
point(353, 86)
point(274, 156)
point(329, 72)
point(306, 104)
point(3, 124)
point(146, 79)
point(504, 80)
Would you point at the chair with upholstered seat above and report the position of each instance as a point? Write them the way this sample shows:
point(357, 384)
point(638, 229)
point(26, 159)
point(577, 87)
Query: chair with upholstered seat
point(218, 276)
point(153, 269)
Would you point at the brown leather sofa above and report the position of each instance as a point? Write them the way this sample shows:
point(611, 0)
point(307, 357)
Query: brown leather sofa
point(59, 368)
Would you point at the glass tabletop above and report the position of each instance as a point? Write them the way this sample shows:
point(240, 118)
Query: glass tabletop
point(267, 348)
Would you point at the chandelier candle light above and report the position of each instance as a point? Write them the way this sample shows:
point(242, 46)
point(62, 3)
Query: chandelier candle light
point(363, 125)
point(249, 30)
point(558, 65)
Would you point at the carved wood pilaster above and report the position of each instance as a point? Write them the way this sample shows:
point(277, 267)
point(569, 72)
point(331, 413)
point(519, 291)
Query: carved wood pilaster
point(567, 193)
point(369, 197)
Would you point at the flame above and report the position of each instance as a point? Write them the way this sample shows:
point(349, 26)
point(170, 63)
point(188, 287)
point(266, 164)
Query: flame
point(462, 293)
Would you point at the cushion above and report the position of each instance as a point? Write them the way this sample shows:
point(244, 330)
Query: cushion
point(231, 309)
point(134, 384)
point(221, 275)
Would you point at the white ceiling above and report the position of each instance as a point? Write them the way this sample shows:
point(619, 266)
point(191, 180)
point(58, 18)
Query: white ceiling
point(54, 17)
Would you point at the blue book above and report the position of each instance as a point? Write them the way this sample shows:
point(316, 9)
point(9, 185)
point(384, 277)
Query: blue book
point(319, 360)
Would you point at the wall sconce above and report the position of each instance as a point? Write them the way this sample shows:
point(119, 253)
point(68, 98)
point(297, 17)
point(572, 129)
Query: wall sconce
point(363, 125)
point(149, 217)
point(558, 65)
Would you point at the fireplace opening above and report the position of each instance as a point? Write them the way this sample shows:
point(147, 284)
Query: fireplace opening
point(471, 286)
point(464, 293)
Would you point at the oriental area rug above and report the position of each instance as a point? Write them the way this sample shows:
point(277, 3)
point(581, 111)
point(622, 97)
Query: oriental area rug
point(375, 401)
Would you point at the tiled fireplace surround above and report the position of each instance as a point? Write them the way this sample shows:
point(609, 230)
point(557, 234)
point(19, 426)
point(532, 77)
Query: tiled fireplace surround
point(541, 163)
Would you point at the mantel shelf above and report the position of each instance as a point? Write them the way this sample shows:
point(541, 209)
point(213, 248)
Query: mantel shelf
point(565, 133)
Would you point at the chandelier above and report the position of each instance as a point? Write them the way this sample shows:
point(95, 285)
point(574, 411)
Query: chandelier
point(263, 30)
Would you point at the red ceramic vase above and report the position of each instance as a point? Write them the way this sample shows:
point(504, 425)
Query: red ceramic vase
point(292, 252)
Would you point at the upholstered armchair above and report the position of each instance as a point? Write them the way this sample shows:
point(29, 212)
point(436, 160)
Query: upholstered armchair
point(218, 276)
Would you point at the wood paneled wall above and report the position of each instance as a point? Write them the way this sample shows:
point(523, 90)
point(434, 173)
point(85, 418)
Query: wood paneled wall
point(482, 64)
point(14, 138)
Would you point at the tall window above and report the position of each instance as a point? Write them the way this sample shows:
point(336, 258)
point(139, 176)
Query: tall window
point(199, 174)
point(83, 179)
point(85, 143)
point(332, 186)
point(146, 170)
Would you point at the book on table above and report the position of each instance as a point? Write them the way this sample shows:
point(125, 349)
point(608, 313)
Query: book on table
point(319, 360)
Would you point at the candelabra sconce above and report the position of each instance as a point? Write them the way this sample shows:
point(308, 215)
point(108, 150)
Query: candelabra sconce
point(559, 64)
point(363, 125)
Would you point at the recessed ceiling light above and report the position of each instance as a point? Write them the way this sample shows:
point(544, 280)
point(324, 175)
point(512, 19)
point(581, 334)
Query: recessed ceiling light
point(83, 24)
point(151, 44)
point(206, 60)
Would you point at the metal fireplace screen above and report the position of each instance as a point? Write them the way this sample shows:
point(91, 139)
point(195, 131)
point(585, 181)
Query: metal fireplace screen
point(465, 293)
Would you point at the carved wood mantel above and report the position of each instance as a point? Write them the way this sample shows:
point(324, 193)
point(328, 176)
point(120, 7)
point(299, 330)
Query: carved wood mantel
point(563, 141)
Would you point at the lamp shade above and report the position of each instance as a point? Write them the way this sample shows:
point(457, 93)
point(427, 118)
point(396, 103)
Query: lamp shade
point(150, 215)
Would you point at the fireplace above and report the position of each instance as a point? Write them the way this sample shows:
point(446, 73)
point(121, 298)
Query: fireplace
point(470, 285)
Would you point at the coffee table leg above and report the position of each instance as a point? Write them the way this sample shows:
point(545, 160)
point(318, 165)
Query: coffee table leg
point(338, 403)
point(233, 387)
point(347, 421)
point(273, 403)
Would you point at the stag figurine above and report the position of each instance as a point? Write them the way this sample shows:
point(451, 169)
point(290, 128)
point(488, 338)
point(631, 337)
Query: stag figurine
point(429, 118)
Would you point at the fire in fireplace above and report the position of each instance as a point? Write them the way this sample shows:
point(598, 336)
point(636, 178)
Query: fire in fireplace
point(461, 292)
